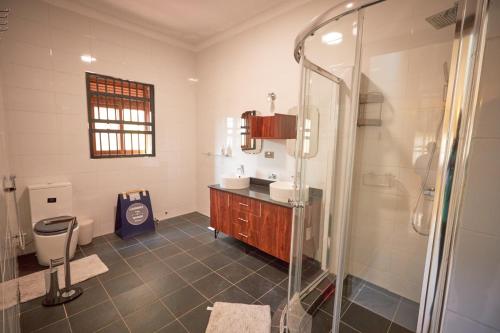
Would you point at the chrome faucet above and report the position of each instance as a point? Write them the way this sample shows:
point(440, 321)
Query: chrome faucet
point(241, 169)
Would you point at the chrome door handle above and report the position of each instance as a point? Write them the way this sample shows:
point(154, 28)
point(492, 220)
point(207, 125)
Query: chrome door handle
point(242, 204)
point(243, 220)
point(242, 235)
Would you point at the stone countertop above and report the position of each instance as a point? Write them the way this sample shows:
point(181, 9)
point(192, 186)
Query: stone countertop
point(259, 190)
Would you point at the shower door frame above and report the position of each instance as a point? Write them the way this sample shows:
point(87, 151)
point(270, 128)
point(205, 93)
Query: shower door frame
point(298, 202)
point(468, 46)
point(461, 101)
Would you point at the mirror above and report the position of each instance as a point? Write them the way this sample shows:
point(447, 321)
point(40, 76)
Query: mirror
point(311, 133)
point(249, 145)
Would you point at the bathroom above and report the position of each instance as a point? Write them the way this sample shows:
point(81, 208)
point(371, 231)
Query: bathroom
point(393, 106)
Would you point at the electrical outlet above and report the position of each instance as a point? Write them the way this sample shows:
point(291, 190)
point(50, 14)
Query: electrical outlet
point(269, 154)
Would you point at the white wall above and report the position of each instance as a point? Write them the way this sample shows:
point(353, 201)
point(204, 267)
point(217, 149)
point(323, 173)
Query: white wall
point(235, 76)
point(474, 292)
point(45, 99)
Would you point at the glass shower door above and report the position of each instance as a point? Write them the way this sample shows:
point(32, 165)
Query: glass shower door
point(325, 99)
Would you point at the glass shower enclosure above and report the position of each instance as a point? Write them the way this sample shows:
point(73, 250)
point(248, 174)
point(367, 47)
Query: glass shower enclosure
point(377, 98)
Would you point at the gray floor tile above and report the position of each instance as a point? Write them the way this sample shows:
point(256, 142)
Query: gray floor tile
point(61, 326)
point(142, 260)
point(166, 284)
point(196, 320)
point(255, 285)
point(211, 285)
point(167, 251)
point(134, 299)
point(89, 298)
point(40, 317)
point(377, 302)
point(183, 300)
point(217, 261)
point(115, 270)
point(407, 314)
point(132, 250)
point(274, 298)
point(174, 327)
point(179, 261)
point(94, 318)
point(118, 326)
point(194, 272)
point(122, 284)
point(233, 295)
point(153, 270)
point(274, 273)
point(149, 318)
point(234, 272)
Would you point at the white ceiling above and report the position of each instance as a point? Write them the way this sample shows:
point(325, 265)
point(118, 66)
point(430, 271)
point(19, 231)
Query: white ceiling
point(192, 22)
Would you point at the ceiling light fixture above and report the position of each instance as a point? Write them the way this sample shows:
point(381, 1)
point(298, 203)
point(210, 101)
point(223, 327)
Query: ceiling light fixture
point(193, 79)
point(349, 5)
point(332, 38)
point(88, 58)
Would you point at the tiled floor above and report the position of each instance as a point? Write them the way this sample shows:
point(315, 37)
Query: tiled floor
point(367, 308)
point(161, 282)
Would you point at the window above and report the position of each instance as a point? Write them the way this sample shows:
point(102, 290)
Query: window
point(121, 117)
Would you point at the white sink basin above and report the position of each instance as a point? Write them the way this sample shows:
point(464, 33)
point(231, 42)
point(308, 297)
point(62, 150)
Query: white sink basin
point(282, 191)
point(234, 182)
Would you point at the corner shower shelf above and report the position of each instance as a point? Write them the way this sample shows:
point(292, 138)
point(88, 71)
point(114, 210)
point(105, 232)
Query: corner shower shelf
point(370, 117)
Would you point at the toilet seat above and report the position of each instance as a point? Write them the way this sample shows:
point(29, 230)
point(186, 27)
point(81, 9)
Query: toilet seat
point(54, 225)
point(50, 239)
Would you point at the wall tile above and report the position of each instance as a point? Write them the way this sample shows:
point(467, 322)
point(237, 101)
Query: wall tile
point(488, 112)
point(25, 54)
point(44, 86)
point(475, 278)
point(63, 19)
point(68, 41)
point(454, 323)
point(28, 99)
point(28, 31)
point(480, 209)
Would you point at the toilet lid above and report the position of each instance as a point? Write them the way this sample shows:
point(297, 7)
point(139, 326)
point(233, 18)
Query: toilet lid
point(53, 225)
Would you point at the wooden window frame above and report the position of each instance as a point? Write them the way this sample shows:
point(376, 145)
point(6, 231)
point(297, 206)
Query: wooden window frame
point(118, 95)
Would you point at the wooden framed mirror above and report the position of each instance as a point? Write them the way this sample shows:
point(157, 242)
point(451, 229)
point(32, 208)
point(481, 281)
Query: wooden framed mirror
point(248, 144)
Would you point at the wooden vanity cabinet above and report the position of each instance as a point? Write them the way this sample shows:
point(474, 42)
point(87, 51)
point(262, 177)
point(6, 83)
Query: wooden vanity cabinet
point(275, 229)
point(263, 225)
point(220, 211)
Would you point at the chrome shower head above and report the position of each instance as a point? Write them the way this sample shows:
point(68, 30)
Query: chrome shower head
point(444, 18)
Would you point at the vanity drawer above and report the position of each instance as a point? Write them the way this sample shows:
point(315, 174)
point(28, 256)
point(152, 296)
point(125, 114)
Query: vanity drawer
point(243, 226)
point(246, 205)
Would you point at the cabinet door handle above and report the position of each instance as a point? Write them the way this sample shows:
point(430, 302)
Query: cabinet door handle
point(243, 220)
point(242, 204)
point(242, 235)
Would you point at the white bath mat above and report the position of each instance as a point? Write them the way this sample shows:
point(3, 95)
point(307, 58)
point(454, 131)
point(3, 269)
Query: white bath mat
point(244, 318)
point(33, 285)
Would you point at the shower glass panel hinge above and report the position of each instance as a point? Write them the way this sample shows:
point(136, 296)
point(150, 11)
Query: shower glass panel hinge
point(296, 204)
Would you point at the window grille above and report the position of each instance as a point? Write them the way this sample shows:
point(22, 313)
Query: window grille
point(121, 117)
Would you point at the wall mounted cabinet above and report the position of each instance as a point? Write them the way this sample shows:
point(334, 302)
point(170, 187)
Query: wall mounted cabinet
point(278, 126)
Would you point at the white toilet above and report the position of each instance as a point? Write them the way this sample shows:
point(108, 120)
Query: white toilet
point(50, 201)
